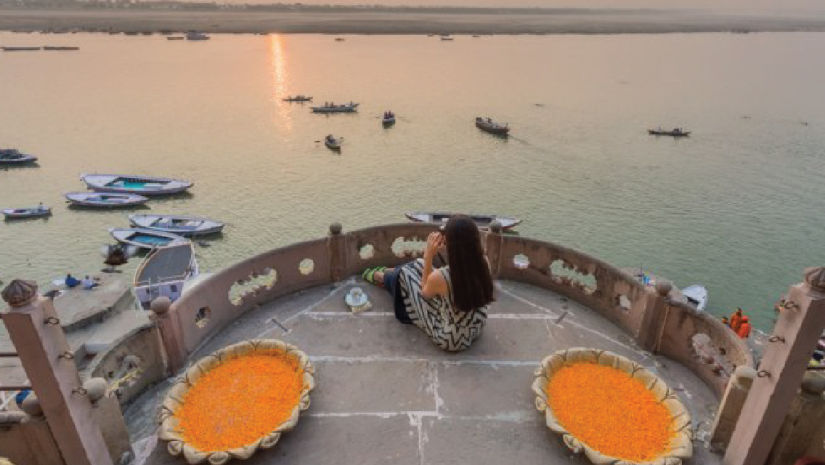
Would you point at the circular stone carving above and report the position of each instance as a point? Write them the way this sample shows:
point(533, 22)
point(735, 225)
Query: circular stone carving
point(813, 383)
point(31, 405)
point(175, 397)
point(663, 288)
point(160, 305)
point(815, 277)
point(335, 229)
point(20, 292)
point(306, 267)
point(680, 447)
point(495, 226)
point(95, 388)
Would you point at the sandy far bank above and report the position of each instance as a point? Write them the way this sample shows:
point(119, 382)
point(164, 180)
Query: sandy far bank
point(383, 22)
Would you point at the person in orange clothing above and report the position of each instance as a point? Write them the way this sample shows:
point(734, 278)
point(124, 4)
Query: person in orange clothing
point(736, 319)
point(744, 328)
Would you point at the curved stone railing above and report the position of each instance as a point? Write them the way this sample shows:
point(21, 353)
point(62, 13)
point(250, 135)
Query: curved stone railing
point(656, 323)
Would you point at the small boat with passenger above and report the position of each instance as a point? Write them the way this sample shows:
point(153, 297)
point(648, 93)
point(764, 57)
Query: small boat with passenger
point(298, 98)
point(181, 225)
point(333, 143)
point(15, 157)
point(488, 125)
point(194, 35)
point(134, 184)
point(331, 107)
point(165, 272)
point(144, 238)
point(675, 132)
point(104, 200)
point(482, 221)
point(388, 119)
point(39, 211)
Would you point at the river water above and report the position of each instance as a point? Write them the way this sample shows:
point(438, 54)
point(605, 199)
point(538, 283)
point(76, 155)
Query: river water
point(738, 206)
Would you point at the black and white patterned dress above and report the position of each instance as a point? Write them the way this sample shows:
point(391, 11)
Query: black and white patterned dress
point(449, 328)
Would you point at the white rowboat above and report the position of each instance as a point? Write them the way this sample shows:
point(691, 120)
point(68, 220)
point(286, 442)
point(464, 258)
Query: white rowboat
point(105, 200)
point(134, 184)
point(177, 224)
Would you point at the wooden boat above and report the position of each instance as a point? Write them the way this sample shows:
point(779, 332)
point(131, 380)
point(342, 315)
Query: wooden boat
point(333, 143)
point(177, 224)
point(446, 37)
point(134, 184)
point(20, 49)
point(388, 119)
point(332, 108)
point(488, 125)
point(298, 98)
point(483, 221)
point(28, 212)
point(105, 200)
point(61, 48)
point(14, 157)
point(144, 238)
point(165, 272)
point(339, 39)
point(175, 38)
point(696, 295)
point(675, 132)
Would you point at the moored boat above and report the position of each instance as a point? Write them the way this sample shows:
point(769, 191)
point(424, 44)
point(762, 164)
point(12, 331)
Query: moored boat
point(332, 142)
point(675, 132)
point(164, 272)
point(175, 38)
point(483, 221)
point(298, 98)
point(696, 295)
point(333, 108)
point(27, 212)
point(181, 225)
point(488, 125)
point(193, 35)
point(105, 200)
point(388, 119)
point(144, 238)
point(14, 157)
point(61, 48)
point(20, 49)
point(134, 184)
point(446, 37)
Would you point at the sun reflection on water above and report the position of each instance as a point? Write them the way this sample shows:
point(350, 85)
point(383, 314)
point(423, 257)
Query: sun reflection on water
point(280, 79)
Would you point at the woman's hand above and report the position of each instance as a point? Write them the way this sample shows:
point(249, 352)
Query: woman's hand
point(434, 241)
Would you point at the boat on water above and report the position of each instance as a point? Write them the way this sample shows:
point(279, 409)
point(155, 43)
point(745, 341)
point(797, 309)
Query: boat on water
point(298, 98)
point(14, 157)
point(333, 143)
point(488, 125)
point(483, 221)
point(330, 107)
point(61, 48)
point(144, 238)
point(193, 35)
point(339, 39)
point(675, 132)
point(165, 272)
point(104, 199)
point(696, 295)
point(446, 37)
point(134, 184)
point(175, 38)
point(27, 212)
point(388, 119)
point(20, 49)
point(181, 225)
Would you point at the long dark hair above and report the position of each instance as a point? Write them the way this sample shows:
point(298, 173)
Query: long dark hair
point(469, 273)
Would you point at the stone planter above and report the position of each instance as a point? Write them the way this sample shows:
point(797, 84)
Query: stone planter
point(680, 447)
point(169, 428)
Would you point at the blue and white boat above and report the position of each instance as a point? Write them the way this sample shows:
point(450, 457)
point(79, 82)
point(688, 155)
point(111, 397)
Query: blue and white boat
point(144, 238)
point(15, 157)
point(165, 272)
point(105, 200)
point(28, 212)
point(333, 108)
point(134, 184)
point(177, 224)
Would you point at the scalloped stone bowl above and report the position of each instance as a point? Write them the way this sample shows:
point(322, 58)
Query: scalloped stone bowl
point(169, 428)
point(680, 447)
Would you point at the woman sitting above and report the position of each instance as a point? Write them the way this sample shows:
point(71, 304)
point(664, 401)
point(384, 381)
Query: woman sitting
point(449, 304)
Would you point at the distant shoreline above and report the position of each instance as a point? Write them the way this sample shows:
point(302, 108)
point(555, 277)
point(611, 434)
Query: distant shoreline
point(394, 21)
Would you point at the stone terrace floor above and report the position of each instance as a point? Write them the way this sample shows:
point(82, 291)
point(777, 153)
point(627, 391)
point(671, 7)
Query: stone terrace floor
point(386, 395)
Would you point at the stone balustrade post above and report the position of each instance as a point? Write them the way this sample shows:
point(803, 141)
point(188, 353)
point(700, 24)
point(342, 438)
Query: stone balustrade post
point(730, 406)
point(336, 246)
point(171, 334)
point(493, 246)
point(802, 424)
point(40, 343)
point(654, 318)
point(780, 372)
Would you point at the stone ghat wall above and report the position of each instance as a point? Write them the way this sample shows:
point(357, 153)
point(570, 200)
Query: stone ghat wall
point(672, 329)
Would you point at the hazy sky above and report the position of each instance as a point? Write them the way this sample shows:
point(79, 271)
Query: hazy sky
point(738, 5)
